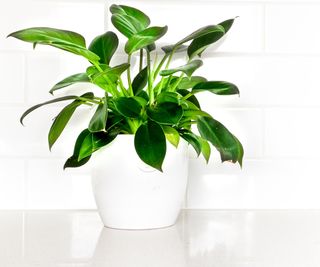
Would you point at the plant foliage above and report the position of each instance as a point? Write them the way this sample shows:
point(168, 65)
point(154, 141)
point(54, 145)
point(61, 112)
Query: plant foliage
point(159, 104)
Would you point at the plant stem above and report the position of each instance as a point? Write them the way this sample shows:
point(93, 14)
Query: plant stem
point(141, 60)
point(114, 91)
point(173, 88)
point(166, 67)
point(122, 88)
point(160, 66)
point(150, 91)
point(129, 77)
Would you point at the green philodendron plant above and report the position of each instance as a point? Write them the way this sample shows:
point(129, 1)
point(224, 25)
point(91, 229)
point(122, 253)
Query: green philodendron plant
point(159, 104)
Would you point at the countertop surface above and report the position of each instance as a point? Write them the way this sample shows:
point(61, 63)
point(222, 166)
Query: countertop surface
point(199, 239)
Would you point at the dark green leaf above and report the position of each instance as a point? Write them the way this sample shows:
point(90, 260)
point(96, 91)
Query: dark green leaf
point(76, 78)
point(105, 46)
point(128, 106)
point(191, 99)
point(169, 48)
point(198, 33)
point(188, 69)
point(193, 140)
point(171, 134)
point(216, 87)
point(63, 118)
point(65, 40)
point(187, 83)
point(64, 98)
point(165, 113)
point(219, 136)
point(73, 162)
point(93, 142)
point(144, 38)
point(140, 81)
point(201, 43)
point(99, 119)
point(172, 97)
point(150, 144)
point(227, 24)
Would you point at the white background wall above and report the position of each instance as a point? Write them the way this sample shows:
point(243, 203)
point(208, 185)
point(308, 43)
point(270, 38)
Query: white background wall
point(271, 53)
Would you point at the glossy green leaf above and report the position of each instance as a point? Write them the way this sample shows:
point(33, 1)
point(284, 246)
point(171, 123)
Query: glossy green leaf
point(93, 142)
point(62, 39)
point(73, 162)
point(113, 73)
point(76, 78)
point(140, 81)
point(216, 87)
point(191, 98)
point(105, 46)
point(165, 113)
point(128, 20)
point(63, 118)
point(193, 140)
point(198, 33)
point(187, 83)
point(205, 148)
point(172, 97)
point(150, 144)
point(59, 99)
point(220, 137)
point(188, 69)
point(127, 25)
point(169, 48)
point(227, 24)
point(171, 134)
point(201, 43)
point(99, 119)
point(194, 113)
point(129, 107)
point(144, 38)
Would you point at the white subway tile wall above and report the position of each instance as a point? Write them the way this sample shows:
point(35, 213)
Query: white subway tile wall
point(272, 53)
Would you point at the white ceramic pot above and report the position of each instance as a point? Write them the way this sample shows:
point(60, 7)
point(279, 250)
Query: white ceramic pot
point(132, 195)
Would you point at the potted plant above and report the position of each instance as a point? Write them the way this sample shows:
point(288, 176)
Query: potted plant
point(140, 127)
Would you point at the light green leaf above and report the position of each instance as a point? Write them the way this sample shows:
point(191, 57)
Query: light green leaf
point(171, 134)
point(62, 39)
point(144, 38)
point(128, 20)
point(187, 83)
point(205, 148)
point(216, 87)
point(188, 69)
point(76, 78)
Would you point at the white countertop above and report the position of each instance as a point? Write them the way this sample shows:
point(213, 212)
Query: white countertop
point(199, 239)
